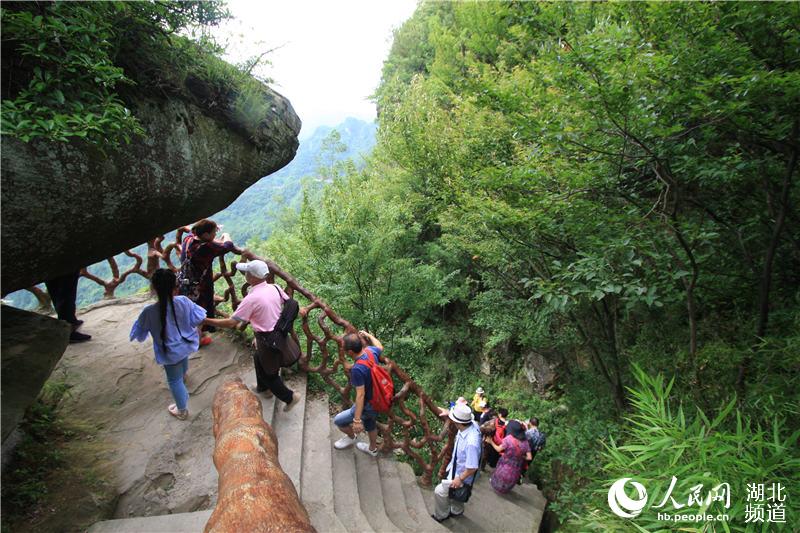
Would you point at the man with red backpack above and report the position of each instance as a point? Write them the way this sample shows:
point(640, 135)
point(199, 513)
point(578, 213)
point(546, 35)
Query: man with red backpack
point(365, 350)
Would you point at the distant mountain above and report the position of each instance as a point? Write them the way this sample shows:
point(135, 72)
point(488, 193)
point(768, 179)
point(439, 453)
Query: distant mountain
point(254, 212)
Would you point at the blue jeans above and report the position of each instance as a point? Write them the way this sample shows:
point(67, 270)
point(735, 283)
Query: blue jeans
point(368, 417)
point(175, 381)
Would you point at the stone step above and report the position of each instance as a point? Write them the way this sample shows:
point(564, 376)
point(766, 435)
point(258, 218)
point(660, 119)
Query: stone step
point(370, 492)
point(267, 404)
point(415, 505)
point(171, 523)
point(462, 524)
point(394, 501)
point(490, 512)
point(289, 430)
point(345, 487)
point(493, 512)
point(528, 496)
point(316, 476)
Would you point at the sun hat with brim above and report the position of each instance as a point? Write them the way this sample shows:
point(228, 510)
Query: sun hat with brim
point(461, 413)
point(479, 390)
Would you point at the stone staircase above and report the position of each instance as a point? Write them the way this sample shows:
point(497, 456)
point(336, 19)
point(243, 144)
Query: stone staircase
point(349, 491)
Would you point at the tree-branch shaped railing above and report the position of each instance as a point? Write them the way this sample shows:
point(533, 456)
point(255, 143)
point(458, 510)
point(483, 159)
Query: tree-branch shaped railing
point(412, 423)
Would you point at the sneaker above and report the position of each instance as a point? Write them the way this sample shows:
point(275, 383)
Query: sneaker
point(295, 401)
point(178, 413)
point(364, 447)
point(78, 323)
point(344, 442)
point(205, 341)
point(76, 336)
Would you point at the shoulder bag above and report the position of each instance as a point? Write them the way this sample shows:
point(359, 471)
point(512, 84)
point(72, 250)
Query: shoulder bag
point(462, 493)
point(279, 340)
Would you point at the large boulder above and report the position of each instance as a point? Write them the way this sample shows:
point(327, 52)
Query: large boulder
point(32, 345)
point(66, 205)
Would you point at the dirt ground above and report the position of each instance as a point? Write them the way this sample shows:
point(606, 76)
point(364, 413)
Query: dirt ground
point(133, 458)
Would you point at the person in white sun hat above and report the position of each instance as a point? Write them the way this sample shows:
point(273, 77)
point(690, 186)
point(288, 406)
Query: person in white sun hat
point(463, 465)
point(261, 308)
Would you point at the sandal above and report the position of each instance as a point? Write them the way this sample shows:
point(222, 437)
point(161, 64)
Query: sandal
point(177, 413)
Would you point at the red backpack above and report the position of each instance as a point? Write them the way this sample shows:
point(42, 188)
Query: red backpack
point(382, 384)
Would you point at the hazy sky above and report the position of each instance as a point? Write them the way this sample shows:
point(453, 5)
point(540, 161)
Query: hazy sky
point(331, 52)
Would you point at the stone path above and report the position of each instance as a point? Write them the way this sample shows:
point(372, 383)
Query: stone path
point(160, 465)
point(165, 475)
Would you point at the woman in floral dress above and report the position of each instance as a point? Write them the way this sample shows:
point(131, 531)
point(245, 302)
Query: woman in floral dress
point(515, 451)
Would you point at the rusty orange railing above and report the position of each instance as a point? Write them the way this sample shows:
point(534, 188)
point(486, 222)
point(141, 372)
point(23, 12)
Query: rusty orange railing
point(413, 425)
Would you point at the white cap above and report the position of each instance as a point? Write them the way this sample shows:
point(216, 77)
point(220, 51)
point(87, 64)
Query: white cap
point(255, 268)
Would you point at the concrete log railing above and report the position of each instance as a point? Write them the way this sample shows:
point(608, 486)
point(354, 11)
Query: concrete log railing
point(413, 425)
point(255, 495)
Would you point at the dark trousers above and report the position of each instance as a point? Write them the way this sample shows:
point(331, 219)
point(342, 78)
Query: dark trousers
point(273, 382)
point(492, 457)
point(63, 290)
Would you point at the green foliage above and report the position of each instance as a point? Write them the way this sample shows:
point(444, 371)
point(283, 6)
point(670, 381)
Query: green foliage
point(351, 252)
point(36, 456)
point(609, 184)
point(662, 439)
point(66, 63)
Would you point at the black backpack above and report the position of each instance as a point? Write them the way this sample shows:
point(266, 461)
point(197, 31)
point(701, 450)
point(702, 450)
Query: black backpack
point(189, 275)
point(278, 340)
point(289, 313)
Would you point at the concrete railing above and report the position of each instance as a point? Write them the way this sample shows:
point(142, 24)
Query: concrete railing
point(254, 493)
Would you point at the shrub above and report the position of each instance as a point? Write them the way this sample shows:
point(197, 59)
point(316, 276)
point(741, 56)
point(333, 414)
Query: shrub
point(661, 440)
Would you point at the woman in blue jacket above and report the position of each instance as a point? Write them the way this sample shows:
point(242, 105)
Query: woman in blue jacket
point(172, 322)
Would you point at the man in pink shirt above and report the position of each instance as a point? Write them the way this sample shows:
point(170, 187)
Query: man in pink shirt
point(261, 309)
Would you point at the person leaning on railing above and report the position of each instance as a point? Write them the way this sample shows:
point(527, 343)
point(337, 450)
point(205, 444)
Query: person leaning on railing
point(361, 346)
point(200, 248)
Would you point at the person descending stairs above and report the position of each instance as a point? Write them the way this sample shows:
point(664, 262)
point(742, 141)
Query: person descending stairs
point(350, 491)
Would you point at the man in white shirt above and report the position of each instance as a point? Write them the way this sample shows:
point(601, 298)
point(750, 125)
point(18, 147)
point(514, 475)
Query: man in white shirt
point(463, 464)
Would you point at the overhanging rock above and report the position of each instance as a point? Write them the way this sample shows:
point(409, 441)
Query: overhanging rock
point(66, 205)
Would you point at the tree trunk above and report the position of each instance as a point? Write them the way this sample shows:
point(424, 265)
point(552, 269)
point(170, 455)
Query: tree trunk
point(766, 273)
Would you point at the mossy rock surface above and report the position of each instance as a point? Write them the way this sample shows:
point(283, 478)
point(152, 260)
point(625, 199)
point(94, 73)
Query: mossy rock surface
point(70, 204)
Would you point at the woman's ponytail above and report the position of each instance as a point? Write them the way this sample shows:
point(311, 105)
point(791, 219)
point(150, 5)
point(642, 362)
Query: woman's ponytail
point(164, 282)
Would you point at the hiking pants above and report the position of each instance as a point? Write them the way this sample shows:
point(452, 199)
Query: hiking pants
point(444, 505)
